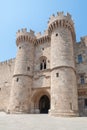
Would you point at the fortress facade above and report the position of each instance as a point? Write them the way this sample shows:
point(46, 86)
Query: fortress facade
point(49, 73)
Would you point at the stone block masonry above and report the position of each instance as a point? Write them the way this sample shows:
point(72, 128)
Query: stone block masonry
point(49, 73)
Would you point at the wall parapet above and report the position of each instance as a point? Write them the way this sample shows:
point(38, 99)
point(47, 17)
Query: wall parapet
point(84, 40)
point(61, 20)
point(54, 21)
point(7, 61)
point(60, 16)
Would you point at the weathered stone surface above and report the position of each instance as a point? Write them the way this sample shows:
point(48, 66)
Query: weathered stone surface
point(46, 64)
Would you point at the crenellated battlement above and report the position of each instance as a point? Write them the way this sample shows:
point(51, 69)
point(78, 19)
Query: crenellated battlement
point(60, 16)
point(24, 31)
point(84, 40)
point(7, 61)
point(61, 20)
point(40, 35)
point(23, 35)
point(41, 38)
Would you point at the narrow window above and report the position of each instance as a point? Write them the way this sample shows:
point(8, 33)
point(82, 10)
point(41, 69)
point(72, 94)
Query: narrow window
point(17, 79)
point(41, 66)
point(57, 74)
point(45, 65)
point(82, 79)
point(19, 47)
point(56, 34)
point(71, 106)
point(85, 103)
point(80, 58)
point(28, 68)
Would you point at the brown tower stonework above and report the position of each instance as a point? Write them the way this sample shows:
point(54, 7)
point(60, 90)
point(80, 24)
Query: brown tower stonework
point(20, 100)
point(63, 73)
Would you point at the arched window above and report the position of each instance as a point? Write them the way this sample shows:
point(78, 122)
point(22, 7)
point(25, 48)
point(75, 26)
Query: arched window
point(43, 64)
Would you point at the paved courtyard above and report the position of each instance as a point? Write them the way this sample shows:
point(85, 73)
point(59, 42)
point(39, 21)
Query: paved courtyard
point(41, 122)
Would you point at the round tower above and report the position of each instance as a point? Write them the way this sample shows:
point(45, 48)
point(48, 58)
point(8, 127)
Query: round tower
point(20, 99)
point(63, 74)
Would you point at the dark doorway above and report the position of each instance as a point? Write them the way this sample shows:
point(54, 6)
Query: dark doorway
point(44, 104)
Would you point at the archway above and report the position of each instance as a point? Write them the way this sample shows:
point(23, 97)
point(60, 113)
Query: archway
point(44, 104)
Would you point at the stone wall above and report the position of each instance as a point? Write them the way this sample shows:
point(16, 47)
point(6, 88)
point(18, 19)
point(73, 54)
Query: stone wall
point(20, 98)
point(80, 48)
point(6, 73)
point(63, 77)
point(41, 77)
point(42, 80)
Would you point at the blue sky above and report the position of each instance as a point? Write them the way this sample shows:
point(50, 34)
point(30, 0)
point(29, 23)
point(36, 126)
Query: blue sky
point(34, 14)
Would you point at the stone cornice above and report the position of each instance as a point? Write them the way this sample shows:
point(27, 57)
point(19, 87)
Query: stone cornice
point(59, 67)
point(15, 75)
point(60, 20)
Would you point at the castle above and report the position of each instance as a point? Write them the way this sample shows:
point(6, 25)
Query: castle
point(49, 73)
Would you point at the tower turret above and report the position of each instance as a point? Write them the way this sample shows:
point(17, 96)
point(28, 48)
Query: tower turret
point(20, 99)
point(63, 73)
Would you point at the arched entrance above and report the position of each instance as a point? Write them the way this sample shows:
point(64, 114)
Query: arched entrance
point(44, 104)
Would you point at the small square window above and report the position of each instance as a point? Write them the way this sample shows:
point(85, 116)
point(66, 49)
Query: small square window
point(28, 68)
point(19, 47)
point(56, 34)
point(17, 79)
point(42, 48)
point(57, 74)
